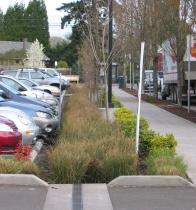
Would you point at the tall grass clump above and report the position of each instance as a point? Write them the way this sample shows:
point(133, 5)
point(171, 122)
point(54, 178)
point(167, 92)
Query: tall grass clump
point(12, 166)
point(69, 162)
point(165, 162)
point(89, 150)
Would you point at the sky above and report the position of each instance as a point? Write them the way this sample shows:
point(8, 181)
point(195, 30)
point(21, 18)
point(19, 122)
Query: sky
point(54, 16)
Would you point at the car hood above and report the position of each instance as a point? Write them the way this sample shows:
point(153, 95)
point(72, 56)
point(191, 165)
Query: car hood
point(49, 87)
point(22, 120)
point(29, 109)
point(38, 94)
point(34, 100)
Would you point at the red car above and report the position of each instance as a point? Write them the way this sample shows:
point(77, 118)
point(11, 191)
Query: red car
point(10, 138)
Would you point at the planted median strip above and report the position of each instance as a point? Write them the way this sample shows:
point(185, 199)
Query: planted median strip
point(90, 150)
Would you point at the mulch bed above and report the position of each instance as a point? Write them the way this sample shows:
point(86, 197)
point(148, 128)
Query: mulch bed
point(167, 105)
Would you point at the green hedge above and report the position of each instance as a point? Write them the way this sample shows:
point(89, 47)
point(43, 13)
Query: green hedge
point(149, 140)
point(157, 151)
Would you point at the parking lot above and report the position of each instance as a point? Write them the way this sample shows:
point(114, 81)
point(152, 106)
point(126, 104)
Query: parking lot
point(30, 107)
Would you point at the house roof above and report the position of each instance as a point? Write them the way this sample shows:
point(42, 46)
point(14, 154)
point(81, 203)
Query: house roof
point(6, 46)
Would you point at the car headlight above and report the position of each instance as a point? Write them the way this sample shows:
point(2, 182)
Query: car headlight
point(5, 128)
point(24, 120)
point(43, 114)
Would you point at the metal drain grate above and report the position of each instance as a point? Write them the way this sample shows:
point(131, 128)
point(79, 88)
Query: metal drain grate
point(77, 202)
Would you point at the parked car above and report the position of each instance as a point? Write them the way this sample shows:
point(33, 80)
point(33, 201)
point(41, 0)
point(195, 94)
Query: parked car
point(26, 126)
point(10, 138)
point(55, 73)
point(28, 91)
point(55, 91)
point(43, 118)
point(68, 78)
point(14, 95)
point(37, 76)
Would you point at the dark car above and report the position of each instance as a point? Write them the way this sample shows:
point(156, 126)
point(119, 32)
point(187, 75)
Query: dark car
point(10, 138)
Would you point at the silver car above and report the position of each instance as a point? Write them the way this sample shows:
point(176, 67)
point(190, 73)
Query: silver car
point(28, 91)
point(55, 91)
point(26, 126)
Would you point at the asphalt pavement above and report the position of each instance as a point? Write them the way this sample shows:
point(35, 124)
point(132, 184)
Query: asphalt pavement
point(164, 122)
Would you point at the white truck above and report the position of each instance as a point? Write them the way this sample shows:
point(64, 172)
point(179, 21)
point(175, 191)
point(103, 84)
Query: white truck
point(169, 66)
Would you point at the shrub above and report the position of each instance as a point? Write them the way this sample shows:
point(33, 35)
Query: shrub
point(149, 140)
point(159, 141)
point(165, 162)
point(12, 166)
point(23, 152)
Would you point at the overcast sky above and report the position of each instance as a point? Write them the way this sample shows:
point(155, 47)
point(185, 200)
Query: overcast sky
point(54, 16)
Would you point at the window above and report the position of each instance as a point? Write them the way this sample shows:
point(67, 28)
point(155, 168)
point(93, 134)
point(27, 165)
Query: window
point(27, 82)
point(10, 73)
point(52, 72)
point(24, 75)
point(36, 75)
point(13, 84)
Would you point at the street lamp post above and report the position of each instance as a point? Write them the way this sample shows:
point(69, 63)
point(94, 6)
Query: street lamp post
point(110, 52)
point(189, 70)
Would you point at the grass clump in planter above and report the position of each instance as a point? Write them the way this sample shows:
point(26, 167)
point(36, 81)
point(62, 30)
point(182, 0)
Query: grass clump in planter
point(165, 162)
point(12, 166)
point(90, 150)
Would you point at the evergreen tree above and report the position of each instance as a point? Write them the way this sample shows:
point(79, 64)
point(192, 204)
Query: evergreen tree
point(37, 22)
point(1, 24)
point(14, 23)
point(75, 13)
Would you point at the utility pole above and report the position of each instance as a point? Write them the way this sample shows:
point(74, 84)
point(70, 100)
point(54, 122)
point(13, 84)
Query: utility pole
point(189, 69)
point(110, 5)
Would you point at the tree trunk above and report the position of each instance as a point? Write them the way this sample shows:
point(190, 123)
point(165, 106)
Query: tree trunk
point(155, 75)
point(180, 80)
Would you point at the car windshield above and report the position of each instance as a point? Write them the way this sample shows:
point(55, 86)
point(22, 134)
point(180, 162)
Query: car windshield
point(28, 83)
point(12, 90)
point(48, 75)
point(53, 72)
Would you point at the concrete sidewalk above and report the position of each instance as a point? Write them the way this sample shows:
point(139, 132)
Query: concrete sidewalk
point(164, 122)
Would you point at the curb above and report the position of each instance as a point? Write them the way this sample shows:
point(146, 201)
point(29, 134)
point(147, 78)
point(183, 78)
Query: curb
point(36, 149)
point(150, 181)
point(22, 180)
